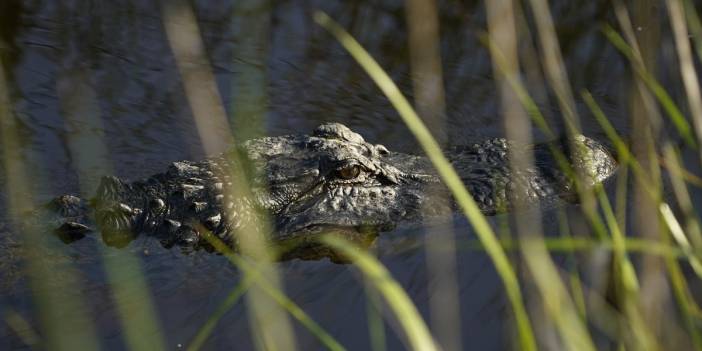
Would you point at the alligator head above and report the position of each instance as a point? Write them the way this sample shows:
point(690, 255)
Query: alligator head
point(333, 181)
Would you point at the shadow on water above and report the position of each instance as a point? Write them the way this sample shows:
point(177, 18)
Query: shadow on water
point(310, 79)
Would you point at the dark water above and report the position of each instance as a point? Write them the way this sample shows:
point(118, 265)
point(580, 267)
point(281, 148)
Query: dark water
point(122, 50)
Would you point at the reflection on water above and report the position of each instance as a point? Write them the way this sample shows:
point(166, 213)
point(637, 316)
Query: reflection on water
point(122, 49)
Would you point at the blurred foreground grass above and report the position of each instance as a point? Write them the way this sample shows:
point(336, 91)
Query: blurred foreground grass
point(644, 300)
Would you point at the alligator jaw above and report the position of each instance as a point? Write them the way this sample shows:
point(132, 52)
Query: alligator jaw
point(306, 244)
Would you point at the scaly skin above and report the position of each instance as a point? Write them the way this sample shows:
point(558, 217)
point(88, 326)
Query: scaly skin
point(332, 180)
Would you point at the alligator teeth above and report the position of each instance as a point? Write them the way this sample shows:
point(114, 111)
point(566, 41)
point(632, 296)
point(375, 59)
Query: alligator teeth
point(125, 209)
point(191, 188)
point(198, 206)
point(172, 225)
point(335, 203)
point(382, 149)
point(183, 167)
point(218, 186)
point(213, 222)
point(187, 235)
point(73, 228)
point(195, 180)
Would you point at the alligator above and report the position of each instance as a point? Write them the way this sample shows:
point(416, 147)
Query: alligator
point(331, 180)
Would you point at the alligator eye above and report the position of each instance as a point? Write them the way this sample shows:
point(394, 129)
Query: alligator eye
point(349, 172)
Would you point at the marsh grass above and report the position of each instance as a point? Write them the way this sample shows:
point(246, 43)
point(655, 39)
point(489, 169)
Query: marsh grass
point(379, 278)
point(634, 330)
point(63, 321)
point(446, 171)
point(255, 273)
point(565, 303)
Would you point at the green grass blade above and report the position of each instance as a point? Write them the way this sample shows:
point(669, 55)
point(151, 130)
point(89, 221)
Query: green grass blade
point(561, 159)
point(672, 110)
point(687, 303)
point(626, 157)
point(255, 274)
point(553, 65)
point(90, 154)
point(624, 154)
point(695, 25)
point(628, 274)
point(414, 327)
point(446, 171)
point(561, 313)
point(130, 290)
point(22, 328)
point(683, 198)
point(575, 283)
point(64, 320)
point(204, 332)
point(688, 73)
point(376, 328)
point(269, 323)
point(575, 244)
point(678, 234)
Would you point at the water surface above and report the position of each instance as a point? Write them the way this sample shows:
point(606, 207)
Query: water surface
point(120, 52)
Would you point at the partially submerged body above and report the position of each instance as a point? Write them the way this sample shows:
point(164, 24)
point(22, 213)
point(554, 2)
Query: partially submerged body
point(305, 185)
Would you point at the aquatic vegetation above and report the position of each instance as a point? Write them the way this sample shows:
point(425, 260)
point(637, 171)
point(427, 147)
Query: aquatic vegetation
point(622, 270)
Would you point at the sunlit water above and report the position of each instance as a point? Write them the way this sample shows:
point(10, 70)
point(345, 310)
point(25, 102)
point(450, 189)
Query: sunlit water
point(310, 79)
